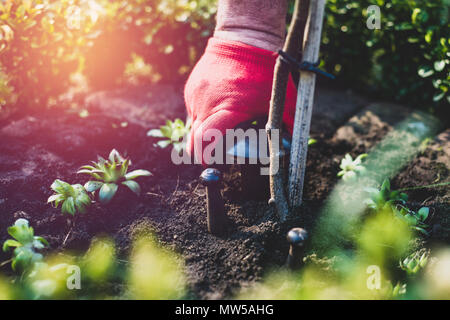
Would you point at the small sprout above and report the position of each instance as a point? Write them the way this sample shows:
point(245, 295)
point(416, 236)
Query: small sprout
point(74, 198)
point(350, 167)
point(415, 262)
point(414, 219)
point(384, 197)
point(424, 145)
point(26, 244)
point(108, 174)
point(311, 141)
point(423, 213)
point(174, 131)
point(398, 290)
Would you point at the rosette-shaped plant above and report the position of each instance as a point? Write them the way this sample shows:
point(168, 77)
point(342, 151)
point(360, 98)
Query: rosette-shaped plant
point(172, 133)
point(26, 244)
point(111, 173)
point(74, 198)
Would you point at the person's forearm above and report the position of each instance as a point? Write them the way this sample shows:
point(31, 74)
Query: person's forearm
point(261, 23)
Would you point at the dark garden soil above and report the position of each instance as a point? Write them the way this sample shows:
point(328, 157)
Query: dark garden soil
point(38, 148)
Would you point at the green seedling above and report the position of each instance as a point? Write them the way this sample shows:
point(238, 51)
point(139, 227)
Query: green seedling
point(26, 244)
point(399, 290)
point(384, 198)
point(413, 263)
point(108, 174)
point(424, 145)
point(74, 198)
point(350, 168)
point(415, 219)
point(173, 134)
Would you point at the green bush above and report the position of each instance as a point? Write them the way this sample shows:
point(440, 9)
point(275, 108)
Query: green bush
point(406, 60)
point(43, 42)
point(38, 51)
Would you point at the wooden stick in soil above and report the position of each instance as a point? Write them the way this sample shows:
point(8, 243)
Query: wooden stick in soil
point(305, 104)
point(282, 70)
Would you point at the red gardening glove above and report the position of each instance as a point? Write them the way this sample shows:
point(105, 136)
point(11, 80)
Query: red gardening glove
point(231, 84)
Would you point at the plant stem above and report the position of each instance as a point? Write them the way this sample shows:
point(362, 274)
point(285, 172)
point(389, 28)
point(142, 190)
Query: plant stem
point(282, 70)
point(442, 184)
point(4, 263)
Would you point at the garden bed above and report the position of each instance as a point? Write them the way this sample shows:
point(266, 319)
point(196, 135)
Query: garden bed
point(38, 148)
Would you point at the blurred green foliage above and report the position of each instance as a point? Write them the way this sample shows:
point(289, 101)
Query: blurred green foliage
point(44, 42)
point(152, 273)
point(372, 268)
point(406, 60)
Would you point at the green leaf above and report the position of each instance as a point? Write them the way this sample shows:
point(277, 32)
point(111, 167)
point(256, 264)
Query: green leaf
point(89, 171)
point(84, 199)
point(410, 219)
point(21, 231)
point(22, 258)
point(90, 168)
point(163, 144)
point(166, 131)
point(403, 197)
point(21, 223)
point(419, 15)
point(422, 230)
point(55, 198)
point(423, 260)
point(92, 186)
point(133, 185)
point(92, 173)
point(179, 122)
point(386, 186)
point(114, 156)
point(437, 97)
point(38, 245)
point(10, 243)
point(107, 192)
point(41, 239)
point(429, 36)
point(423, 213)
point(156, 133)
point(124, 168)
point(439, 65)
point(79, 206)
point(61, 187)
point(404, 26)
point(425, 72)
point(137, 173)
point(68, 206)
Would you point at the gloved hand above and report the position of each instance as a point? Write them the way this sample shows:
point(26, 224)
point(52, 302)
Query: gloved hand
point(231, 84)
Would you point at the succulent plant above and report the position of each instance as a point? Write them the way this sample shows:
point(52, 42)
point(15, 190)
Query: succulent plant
point(350, 167)
point(108, 174)
point(413, 263)
point(173, 132)
point(74, 198)
point(415, 219)
point(26, 244)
